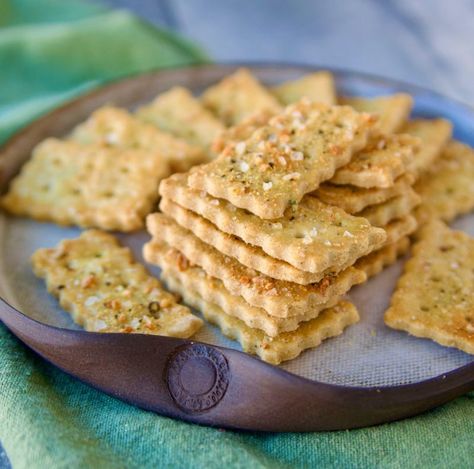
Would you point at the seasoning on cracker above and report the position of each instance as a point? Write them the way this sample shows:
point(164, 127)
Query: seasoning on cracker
point(97, 281)
point(433, 298)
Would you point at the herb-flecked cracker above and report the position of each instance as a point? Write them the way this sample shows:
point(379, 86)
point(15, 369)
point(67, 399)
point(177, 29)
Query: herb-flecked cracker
point(97, 281)
point(178, 112)
point(87, 185)
point(287, 345)
point(447, 188)
point(237, 97)
point(393, 110)
point(277, 298)
point(398, 229)
point(285, 159)
point(318, 87)
point(311, 236)
point(380, 163)
point(118, 128)
point(250, 256)
point(433, 298)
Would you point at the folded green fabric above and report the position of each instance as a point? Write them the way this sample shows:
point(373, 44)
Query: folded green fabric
point(52, 50)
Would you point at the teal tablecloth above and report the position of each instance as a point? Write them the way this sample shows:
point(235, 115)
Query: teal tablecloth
point(51, 50)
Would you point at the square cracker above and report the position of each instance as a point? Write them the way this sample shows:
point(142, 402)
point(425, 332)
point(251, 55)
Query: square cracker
point(287, 345)
point(447, 189)
point(178, 112)
point(380, 163)
point(354, 199)
point(376, 261)
point(195, 280)
point(237, 97)
point(433, 298)
point(105, 290)
point(116, 127)
point(277, 298)
point(87, 185)
point(285, 159)
point(393, 110)
point(250, 256)
point(311, 236)
point(434, 135)
point(394, 208)
point(318, 87)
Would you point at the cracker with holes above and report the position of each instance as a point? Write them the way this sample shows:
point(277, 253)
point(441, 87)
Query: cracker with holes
point(354, 199)
point(250, 256)
point(286, 346)
point(97, 281)
point(211, 289)
point(87, 185)
point(116, 127)
point(318, 87)
point(179, 113)
point(447, 189)
point(285, 159)
point(311, 236)
point(380, 163)
point(434, 135)
point(237, 97)
point(394, 208)
point(433, 298)
point(393, 110)
point(277, 298)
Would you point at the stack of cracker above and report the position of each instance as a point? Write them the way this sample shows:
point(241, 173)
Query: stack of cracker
point(242, 239)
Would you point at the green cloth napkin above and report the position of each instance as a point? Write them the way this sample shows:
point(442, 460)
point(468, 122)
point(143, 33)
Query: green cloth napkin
point(51, 50)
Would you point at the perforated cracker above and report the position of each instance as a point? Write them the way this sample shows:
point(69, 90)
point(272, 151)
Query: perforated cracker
point(250, 256)
point(277, 298)
point(311, 236)
point(178, 112)
point(237, 97)
point(433, 298)
point(285, 159)
point(105, 290)
point(318, 87)
point(396, 207)
point(393, 110)
point(116, 127)
point(376, 261)
point(447, 189)
point(380, 163)
point(87, 185)
point(354, 199)
point(434, 135)
point(286, 346)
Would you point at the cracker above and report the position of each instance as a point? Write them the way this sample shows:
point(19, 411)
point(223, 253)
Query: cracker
point(447, 189)
point(287, 345)
point(118, 128)
point(393, 110)
point(97, 281)
point(376, 261)
point(178, 112)
point(87, 185)
point(318, 87)
point(354, 199)
point(237, 97)
point(277, 298)
point(396, 207)
point(311, 236)
point(285, 159)
point(398, 229)
point(380, 163)
point(434, 135)
point(433, 298)
point(250, 256)
point(211, 289)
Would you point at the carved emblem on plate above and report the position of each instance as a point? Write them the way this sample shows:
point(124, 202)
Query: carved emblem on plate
point(197, 377)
